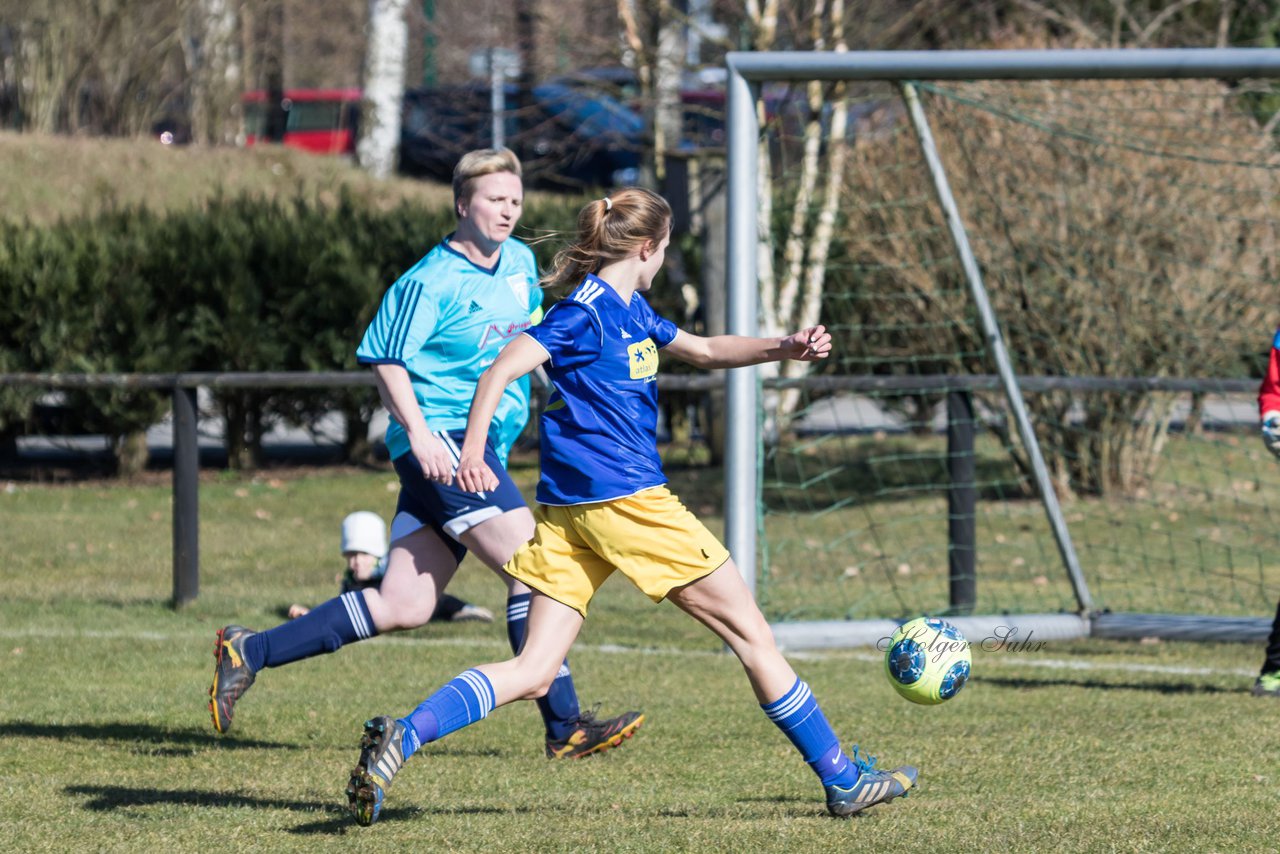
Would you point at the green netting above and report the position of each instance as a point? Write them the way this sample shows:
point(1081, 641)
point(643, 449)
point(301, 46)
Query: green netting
point(1123, 229)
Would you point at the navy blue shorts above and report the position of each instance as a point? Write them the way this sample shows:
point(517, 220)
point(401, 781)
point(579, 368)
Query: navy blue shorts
point(449, 510)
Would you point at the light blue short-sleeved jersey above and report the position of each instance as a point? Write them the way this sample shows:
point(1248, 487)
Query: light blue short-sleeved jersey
point(599, 430)
point(444, 321)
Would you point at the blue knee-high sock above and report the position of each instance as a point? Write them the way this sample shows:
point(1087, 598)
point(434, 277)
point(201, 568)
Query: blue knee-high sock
point(559, 707)
point(463, 701)
point(797, 714)
point(342, 620)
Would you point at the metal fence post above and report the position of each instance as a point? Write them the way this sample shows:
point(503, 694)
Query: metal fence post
point(962, 496)
point(186, 498)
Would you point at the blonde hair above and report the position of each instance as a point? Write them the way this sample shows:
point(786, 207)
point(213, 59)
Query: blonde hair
point(610, 229)
point(482, 161)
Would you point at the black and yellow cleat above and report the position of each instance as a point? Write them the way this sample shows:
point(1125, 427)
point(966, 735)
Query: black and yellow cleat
point(231, 676)
point(381, 756)
point(594, 736)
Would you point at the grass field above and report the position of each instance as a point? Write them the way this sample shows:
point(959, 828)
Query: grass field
point(106, 743)
point(1198, 538)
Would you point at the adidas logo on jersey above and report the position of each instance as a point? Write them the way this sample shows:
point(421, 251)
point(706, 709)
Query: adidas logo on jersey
point(623, 332)
point(475, 306)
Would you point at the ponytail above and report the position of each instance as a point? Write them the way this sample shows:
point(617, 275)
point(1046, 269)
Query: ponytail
point(609, 229)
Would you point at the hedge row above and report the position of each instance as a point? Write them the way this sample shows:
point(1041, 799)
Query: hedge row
point(243, 283)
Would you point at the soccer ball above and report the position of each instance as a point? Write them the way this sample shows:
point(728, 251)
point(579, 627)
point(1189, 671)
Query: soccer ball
point(927, 660)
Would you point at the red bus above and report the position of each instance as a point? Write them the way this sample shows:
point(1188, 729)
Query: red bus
point(323, 121)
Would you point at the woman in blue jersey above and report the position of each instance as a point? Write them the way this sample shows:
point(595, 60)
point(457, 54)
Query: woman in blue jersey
point(440, 325)
point(603, 505)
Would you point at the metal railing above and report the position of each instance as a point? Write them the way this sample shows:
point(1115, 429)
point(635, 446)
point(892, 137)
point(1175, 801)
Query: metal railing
point(186, 462)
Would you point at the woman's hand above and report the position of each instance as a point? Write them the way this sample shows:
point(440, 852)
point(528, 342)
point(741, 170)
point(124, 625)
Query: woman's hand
point(808, 345)
point(437, 465)
point(474, 475)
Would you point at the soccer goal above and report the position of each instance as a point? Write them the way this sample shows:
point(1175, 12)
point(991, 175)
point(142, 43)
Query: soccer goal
point(1052, 278)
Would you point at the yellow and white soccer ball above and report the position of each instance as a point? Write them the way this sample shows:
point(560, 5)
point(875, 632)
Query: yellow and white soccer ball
point(927, 660)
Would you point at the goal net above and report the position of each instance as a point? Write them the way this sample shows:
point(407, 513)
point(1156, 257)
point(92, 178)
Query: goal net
point(1123, 235)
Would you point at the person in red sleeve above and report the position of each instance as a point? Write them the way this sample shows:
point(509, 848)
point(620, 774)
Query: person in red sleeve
point(1268, 682)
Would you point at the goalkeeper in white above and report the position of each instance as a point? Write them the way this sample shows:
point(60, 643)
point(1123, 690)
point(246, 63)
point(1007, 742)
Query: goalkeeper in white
point(1268, 684)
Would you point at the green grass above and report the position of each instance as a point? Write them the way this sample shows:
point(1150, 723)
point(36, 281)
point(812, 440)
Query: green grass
point(861, 532)
point(1084, 746)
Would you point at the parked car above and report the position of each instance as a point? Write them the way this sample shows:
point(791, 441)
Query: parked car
point(702, 101)
point(567, 138)
point(323, 121)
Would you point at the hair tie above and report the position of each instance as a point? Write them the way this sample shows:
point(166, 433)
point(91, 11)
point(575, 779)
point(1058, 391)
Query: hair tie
point(608, 204)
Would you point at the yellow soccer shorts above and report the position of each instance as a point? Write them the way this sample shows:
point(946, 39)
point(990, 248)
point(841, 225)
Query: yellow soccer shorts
point(651, 537)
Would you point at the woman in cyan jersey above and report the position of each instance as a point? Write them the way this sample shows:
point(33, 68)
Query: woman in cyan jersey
point(603, 505)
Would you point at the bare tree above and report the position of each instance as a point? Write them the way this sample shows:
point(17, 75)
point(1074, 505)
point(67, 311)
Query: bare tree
point(1113, 247)
point(791, 282)
point(668, 73)
point(639, 52)
point(212, 53)
point(1150, 23)
point(797, 302)
point(270, 43)
point(99, 66)
point(383, 87)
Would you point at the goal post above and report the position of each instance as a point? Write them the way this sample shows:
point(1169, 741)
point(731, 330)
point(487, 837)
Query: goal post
point(1079, 613)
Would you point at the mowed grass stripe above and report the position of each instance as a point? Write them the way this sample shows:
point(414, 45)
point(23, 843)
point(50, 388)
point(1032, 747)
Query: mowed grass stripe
point(994, 660)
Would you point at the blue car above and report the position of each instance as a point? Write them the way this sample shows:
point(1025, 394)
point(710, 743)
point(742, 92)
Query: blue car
point(567, 139)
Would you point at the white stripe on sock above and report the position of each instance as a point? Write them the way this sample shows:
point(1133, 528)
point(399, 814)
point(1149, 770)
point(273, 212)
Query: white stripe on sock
point(355, 614)
point(478, 685)
point(797, 700)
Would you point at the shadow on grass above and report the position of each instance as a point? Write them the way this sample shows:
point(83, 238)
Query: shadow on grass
point(775, 799)
point(344, 822)
point(109, 798)
point(138, 737)
point(337, 821)
point(1152, 687)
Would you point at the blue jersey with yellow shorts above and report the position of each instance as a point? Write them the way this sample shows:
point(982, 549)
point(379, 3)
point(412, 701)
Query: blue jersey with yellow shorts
point(602, 500)
point(444, 321)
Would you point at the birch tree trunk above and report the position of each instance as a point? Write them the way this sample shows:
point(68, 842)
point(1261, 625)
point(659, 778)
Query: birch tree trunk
point(637, 53)
point(383, 87)
point(667, 67)
point(764, 30)
point(212, 54)
point(795, 302)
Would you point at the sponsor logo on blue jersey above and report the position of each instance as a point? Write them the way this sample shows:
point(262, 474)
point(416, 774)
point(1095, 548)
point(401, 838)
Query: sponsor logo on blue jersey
point(643, 357)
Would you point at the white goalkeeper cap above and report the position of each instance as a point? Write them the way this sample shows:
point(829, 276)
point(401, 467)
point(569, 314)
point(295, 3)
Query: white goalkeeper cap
point(364, 531)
